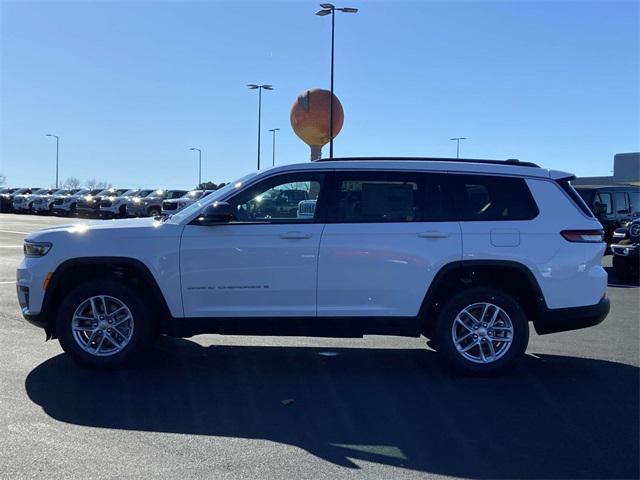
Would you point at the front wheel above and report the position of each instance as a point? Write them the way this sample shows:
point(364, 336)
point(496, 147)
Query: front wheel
point(104, 324)
point(481, 331)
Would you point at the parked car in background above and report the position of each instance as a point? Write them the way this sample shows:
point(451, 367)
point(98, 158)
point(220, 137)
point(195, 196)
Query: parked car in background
point(151, 205)
point(116, 206)
point(67, 205)
point(466, 253)
point(626, 251)
point(89, 205)
point(6, 198)
point(613, 205)
point(23, 202)
point(44, 203)
point(174, 205)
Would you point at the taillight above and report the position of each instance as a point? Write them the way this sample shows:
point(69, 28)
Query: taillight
point(583, 236)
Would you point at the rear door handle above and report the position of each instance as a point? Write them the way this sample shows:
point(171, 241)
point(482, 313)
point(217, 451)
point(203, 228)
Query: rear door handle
point(295, 235)
point(433, 234)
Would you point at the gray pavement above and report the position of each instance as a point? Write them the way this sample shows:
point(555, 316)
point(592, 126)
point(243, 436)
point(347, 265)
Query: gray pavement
point(379, 407)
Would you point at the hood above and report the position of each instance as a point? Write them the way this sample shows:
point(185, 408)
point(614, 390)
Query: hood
point(121, 228)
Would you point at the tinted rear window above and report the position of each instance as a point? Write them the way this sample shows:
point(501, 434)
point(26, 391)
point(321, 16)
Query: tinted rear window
point(377, 197)
point(490, 198)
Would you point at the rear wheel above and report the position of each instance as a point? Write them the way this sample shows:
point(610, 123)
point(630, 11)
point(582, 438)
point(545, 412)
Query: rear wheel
point(104, 324)
point(481, 331)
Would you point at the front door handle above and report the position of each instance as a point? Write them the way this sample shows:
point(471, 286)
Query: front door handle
point(433, 234)
point(295, 235)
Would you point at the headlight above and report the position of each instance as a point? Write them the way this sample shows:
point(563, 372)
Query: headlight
point(36, 249)
point(137, 200)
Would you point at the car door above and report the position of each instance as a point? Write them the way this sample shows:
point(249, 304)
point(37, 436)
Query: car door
point(263, 262)
point(381, 249)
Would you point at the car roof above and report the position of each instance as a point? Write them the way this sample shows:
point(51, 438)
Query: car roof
point(506, 167)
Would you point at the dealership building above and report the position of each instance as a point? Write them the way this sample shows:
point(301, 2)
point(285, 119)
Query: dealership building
point(626, 171)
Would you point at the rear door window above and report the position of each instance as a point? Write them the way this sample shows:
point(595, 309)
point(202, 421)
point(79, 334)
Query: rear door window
point(622, 203)
point(490, 198)
point(377, 197)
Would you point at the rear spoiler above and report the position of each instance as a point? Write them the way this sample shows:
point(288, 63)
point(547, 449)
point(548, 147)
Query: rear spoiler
point(559, 176)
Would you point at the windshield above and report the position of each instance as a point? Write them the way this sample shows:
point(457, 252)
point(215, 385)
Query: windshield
point(156, 193)
point(42, 191)
point(193, 194)
point(143, 193)
point(220, 193)
point(129, 193)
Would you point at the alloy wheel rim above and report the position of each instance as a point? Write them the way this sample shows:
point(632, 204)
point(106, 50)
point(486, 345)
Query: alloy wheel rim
point(482, 332)
point(102, 325)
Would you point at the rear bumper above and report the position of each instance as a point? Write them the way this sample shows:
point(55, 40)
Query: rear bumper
point(565, 319)
point(629, 250)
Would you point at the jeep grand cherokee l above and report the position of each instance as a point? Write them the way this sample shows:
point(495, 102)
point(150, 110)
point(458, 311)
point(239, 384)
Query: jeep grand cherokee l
point(466, 253)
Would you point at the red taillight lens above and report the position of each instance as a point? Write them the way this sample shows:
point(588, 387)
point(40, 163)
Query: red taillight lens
point(583, 236)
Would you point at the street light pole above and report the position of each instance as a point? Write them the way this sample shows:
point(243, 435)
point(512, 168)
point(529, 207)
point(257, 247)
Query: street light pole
point(274, 130)
point(199, 164)
point(330, 9)
point(259, 88)
point(457, 140)
point(57, 153)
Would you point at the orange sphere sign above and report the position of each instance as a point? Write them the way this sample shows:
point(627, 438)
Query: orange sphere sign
point(310, 116)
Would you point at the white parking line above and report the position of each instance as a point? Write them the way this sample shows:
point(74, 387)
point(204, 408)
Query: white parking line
point(13, 231)
point(7, 282)
point(10, 246)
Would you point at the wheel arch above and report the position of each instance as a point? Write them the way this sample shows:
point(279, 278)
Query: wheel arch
point(126, 269)
point(510, 276)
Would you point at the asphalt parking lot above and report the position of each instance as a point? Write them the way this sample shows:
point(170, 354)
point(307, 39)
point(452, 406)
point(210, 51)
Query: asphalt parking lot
point(379, 407)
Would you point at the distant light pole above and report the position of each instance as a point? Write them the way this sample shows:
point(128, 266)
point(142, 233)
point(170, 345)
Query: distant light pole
point(199, 164)
point(260, 88)
point(330, 9)
point(274, 130)
point(57, 153)
point(457, 139)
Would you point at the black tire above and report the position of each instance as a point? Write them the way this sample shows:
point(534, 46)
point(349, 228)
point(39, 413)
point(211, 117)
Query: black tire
point(444, 337)
point(143, 326)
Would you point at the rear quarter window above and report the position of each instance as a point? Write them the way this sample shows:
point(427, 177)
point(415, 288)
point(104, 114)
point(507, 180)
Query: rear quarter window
point(582, 198)
point(492, 198)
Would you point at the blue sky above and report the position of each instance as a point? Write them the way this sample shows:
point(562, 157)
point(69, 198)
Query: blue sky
point(130, 86)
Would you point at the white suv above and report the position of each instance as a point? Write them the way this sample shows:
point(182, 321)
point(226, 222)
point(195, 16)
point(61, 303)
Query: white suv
point(465, 253)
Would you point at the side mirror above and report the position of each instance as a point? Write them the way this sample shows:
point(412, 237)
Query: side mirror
point(217, 212)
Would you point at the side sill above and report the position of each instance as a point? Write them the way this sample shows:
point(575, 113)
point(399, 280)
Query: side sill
point(331, 327)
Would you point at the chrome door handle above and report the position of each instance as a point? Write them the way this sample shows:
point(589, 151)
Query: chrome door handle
point(433, 234)
point(295, 235)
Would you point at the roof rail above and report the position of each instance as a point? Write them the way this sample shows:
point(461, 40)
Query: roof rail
point(511, 161)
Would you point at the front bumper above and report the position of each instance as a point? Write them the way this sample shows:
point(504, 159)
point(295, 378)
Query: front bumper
point(113, 210)
point(564, 319)
point(137, 209)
